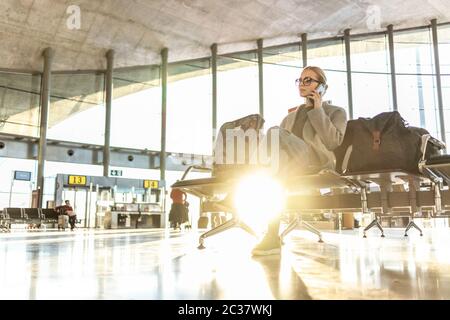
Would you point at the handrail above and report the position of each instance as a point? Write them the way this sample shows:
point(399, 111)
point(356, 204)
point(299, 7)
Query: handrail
point(196, 167)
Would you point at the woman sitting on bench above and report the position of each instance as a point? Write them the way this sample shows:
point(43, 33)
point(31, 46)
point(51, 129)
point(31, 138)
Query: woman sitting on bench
point(307, 137)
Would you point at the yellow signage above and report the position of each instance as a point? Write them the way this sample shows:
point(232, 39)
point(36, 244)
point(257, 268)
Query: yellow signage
point(77, 180)
point(152, 184)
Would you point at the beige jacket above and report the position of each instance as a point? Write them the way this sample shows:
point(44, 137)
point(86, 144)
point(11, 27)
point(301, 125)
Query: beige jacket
point(323, 132)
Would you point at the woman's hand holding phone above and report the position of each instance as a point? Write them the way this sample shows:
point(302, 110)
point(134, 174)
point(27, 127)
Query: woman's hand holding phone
point(316, 98)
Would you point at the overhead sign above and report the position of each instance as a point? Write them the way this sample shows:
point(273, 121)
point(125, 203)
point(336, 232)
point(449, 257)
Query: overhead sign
point(77, 180)
point(22, 175)
point(152, 184)
point(116, 173)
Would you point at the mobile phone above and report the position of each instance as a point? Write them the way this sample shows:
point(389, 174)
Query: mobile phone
point(321, 89)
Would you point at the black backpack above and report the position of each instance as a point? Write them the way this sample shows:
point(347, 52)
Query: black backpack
point(384, 142)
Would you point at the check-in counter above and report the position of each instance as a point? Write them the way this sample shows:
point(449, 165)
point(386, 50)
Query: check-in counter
point(133, 215)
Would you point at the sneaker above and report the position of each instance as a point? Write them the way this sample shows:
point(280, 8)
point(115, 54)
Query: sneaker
point(267, 247)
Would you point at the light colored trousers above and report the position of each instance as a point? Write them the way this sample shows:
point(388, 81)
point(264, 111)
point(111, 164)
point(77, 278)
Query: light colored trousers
point(288, 154)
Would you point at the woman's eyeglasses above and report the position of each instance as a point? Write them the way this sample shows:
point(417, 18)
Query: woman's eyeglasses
point(306, 81)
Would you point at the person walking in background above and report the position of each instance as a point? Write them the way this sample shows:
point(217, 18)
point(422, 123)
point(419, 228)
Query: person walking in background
point(178, 209)
point(186, 216)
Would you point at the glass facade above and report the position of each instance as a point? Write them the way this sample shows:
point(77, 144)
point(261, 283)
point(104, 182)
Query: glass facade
point(330, 56)
point(189, 111)
point(282, 65)
point(371, 76)
point(20, 103)
point(416, 83)
point(77, 109)
point(136, 108)
point(237, 86)
point(444, 57)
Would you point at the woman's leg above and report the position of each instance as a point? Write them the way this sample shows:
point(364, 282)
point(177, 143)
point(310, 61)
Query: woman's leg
point(292, 157)
point(282, 151)
point(179, 215)
point(72, 222)
point(294, 153)
point(273, 228)
point(172, 216)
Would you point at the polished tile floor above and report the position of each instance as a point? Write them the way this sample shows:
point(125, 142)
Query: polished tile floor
point(158, 264)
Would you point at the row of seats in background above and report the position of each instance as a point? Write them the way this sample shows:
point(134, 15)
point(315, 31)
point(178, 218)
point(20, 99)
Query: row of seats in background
point(33, 218)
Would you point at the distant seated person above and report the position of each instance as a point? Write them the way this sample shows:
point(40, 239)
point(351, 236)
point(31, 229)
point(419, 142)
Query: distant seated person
point(307, 137)
point(64, 208)
point(68, 210)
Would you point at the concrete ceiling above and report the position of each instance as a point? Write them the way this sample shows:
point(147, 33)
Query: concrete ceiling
point(138, 29)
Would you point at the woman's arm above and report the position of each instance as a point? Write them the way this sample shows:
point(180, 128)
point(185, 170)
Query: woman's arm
point(331, 130)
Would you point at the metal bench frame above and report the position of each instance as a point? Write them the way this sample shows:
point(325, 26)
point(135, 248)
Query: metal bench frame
point(354, 195)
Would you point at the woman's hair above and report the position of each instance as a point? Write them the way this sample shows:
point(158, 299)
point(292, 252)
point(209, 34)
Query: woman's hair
point(320, 73)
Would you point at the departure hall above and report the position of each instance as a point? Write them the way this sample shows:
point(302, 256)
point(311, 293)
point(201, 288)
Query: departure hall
point(224, 150)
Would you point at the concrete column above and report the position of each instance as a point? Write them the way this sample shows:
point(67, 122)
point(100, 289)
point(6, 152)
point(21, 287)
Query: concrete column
point(45, 103)
point(164, 58)
point(108, 104)
point(261, 77)
point(437, 64)
point(349, 72)
point(305, 49)
point(214, 91)
point(392, 59)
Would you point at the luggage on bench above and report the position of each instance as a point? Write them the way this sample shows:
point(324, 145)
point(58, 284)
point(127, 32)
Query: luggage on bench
point(383, 142)
point(63, 221)
point(220, 166)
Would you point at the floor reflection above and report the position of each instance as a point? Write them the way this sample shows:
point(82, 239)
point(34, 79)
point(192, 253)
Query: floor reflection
point(284, 282)
point(157, 264)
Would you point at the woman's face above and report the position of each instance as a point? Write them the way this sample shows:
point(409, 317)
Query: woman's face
point(306, 90)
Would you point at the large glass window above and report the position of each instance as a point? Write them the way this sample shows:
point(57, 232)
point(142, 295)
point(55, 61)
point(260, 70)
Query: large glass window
point(19, 103)
point(444, 56)
point(330, 56)
point(282, 65)
point(189, 107)
point(136, 108)
point(371, 78)
point(416, 81)
point(16, 193)
point(77, 110)
point(237, 86)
